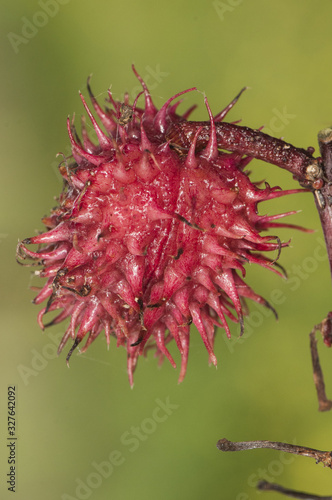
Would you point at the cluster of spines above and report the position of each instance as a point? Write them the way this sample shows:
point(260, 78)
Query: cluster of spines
point(120, 306)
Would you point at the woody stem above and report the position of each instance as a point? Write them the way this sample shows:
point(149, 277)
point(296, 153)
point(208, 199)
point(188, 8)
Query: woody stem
point(323, 197)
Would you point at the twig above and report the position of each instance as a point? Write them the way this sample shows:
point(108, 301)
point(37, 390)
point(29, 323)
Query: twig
point(325, 404)
point(266, 486)
point(323, 196)
point(320, 456)
point(323, 200)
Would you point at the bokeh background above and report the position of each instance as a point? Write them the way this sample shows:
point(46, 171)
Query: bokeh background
point(82, 432)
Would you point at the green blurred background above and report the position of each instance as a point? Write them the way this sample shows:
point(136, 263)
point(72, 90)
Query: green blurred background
point(70, 421)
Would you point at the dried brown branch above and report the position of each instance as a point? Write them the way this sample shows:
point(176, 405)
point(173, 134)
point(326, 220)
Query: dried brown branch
point(323, 196)
point(266, 486)
point(320, 456)
point(325, 404)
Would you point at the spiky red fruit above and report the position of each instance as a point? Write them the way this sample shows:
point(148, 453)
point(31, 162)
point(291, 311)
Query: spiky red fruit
point(149, 238)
